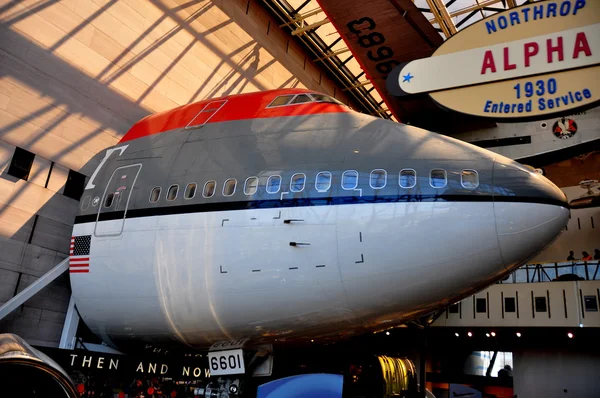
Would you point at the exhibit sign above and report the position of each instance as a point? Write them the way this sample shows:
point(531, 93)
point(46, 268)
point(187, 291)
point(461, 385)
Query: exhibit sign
point(529, 62)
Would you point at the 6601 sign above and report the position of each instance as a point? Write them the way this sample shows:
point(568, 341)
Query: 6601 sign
point(229, 362)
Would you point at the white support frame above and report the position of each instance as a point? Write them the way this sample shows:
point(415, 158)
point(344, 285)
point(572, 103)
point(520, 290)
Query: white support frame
point(34, 288)
point(68, 336)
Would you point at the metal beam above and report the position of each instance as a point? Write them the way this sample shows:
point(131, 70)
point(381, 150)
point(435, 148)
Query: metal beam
point(445, 16)
point(302, 17)
point(315, 25)
point(357, 85)
point(68, 336)
point(333, 54)
point(34, 288)
point(467, 10)
point(437, 18)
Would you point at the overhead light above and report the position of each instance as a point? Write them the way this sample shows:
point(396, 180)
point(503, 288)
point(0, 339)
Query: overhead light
point(518, 334)
point(487, 335)
point(493, 334)
point(470, 334)
point(456, 334)
point(312, 341)
point(387, 333)
point(570, 335)
point(581, 325)
point(356, 151)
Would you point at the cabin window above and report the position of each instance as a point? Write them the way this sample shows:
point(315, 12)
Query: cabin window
point(438, 178)
point(251, 185)
point(408, 178)
point(274, 184)
point(172, 192)
point(190, 190)
point(469, 179)
point(323, 181)
point(297, 182)
point(280, 101)
point(209, 189)
point(21, 163)
point(540, 304)
point(155, 195)
point(510, 304)
point(109, 200)
point(301, 99)
point(350, 179)
point(229, 187)
point(591, 305)
point(378, 179)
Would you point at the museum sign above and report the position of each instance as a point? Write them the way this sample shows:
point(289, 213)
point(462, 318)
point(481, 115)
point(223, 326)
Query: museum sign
point(529, 62)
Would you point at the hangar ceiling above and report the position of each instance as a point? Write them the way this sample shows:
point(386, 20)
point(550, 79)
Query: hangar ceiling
point(314, 22)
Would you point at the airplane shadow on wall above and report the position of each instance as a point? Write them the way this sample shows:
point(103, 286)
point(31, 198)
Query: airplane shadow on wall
point(54, 96)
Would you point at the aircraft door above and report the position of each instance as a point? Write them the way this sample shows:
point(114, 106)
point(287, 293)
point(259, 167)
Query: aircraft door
point(112, 209)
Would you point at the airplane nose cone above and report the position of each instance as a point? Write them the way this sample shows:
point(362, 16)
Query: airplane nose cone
point(530, 211)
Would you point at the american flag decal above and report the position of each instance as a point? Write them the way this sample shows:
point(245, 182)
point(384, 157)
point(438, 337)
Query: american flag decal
point(79, 260)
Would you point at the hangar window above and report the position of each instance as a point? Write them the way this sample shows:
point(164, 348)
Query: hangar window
point(251, 185)
point(438, 178)
point(408, 178)
point(540, 304)
point(591, 305)
point(155, 195)
point(481, 305)
point(350, 179)
point(280, 101)
point(469, 179)
point(229, 187)
point(297, 182)
point(453, 309)
point(510, 304)
point(378, 179)
point(109, 200)
point(209, 189)
point(20, 165)
point(301, 99)
point(172, 192)
point(323, 181)
point(74, 185)
point(190, 190)
point(274, 184)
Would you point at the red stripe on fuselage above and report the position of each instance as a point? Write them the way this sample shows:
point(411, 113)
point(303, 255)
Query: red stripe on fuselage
point(238, 107)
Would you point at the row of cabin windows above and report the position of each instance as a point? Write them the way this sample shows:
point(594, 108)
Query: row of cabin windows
point(438, 178)
point(294, 99)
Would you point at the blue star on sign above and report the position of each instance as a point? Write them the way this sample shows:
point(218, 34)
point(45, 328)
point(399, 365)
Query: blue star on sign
point(407, 77)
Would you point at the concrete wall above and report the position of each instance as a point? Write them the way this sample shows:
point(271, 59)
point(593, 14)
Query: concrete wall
point(76, 74)
point(556, 373)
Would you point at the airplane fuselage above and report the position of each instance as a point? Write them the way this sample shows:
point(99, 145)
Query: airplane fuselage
point(232, 218)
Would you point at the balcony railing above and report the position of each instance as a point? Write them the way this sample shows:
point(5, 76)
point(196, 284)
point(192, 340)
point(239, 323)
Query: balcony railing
point(548, 272)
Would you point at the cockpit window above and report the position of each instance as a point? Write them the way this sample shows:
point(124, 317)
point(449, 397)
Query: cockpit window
point(281, 100)
point(109, 200)
point(437, 178)
point(301, 98)
point(325, 98)
point(469, 179)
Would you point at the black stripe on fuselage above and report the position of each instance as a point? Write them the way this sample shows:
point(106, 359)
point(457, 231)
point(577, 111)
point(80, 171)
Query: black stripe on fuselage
point(306, 202)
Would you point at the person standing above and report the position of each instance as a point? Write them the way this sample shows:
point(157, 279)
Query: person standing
point(586, 256)
point(596, 254)
point(571, 256)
